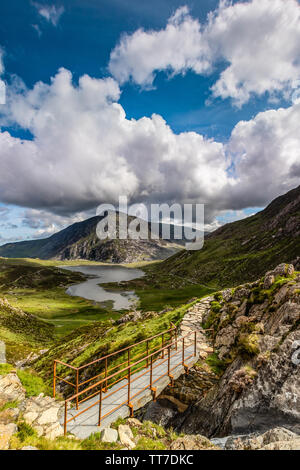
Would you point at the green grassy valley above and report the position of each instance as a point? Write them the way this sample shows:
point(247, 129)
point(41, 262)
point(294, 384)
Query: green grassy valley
point(38, 288)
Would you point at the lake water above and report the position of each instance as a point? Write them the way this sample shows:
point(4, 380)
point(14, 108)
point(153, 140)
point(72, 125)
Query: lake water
point(91, 290)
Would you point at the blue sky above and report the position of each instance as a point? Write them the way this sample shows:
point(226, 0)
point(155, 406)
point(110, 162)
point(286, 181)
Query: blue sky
point(38, 38)
point(82, 41)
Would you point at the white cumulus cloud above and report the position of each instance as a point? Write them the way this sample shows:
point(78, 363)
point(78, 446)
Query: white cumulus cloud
point(178, 47)
point(266, 152)
point(258, 43)
point(85, 152)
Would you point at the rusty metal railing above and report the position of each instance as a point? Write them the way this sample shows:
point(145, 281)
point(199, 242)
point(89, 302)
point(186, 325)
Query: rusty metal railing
point(149, 363)
point(104, 363)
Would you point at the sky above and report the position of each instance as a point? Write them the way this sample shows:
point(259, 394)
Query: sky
point(162, 101)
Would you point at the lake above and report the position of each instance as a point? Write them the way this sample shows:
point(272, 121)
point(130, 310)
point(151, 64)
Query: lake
point(99, 274)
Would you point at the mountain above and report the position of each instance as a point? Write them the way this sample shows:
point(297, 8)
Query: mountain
point(80, 241)
point(240, 251)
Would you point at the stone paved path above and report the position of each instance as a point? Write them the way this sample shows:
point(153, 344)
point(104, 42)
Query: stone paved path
point(192, 321)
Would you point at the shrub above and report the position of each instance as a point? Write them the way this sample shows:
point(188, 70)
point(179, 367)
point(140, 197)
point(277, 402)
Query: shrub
point(215, 306)
point(153, 430)
point(94, 442)
point(117, 423)
point(25, 431)
point(145, 443)
point(216, 365)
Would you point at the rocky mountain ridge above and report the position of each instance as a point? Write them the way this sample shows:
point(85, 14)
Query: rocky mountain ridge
point(80, 241)
point(239, 251)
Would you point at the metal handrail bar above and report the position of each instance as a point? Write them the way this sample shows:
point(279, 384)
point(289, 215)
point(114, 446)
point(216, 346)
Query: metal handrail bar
point(125, 349)
point(106, 371)
point(129, 368)
point(126, 368)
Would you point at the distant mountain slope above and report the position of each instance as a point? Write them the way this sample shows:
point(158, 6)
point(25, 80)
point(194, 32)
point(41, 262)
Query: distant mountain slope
point(80, 241)
point(241, 251)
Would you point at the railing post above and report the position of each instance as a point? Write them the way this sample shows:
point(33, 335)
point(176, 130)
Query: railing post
point(171, 377)
point(65, 419)
point(176, 346)
point(129, 378)
point(183, 351)
point(151, 366)
point(195, 343)
point(162, 345)
point(100, 405)
point(54, 379)
point(106, 374)
point(77, 382)
point(147, 354)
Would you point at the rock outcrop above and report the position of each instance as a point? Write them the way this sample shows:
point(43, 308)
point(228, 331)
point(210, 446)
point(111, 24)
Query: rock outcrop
point(11, 388)
point(6, 432)
point(41, 412)
point(274, 439)
point(193, 442)
point(256, 333)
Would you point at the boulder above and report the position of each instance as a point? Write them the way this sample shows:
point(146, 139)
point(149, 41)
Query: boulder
point(227, 294)
point(50, 415)
point(283, 269)
point(241, 320)
point(109, 435)
point(283, 445)
point(30, 416)
point(9, 415)
point(275, 439)
point(6, 432)
point(269, 281)
point(241, 293)
point(160, 412)
point(193, 442)
point(134, 422)
point(43, 414)
point(126, 436)
point(29, 448)
point(278, 434)
point(53, 430)
point(11, 388)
